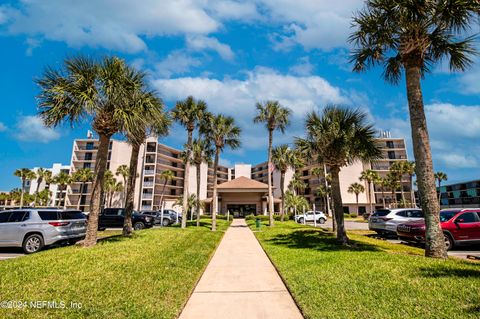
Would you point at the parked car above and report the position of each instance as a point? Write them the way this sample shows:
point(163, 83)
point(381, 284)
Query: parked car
point(114, 217)
point(169, 216)
point(385, 221)
point(309, 216)
point(460, 227)
point(32, 229)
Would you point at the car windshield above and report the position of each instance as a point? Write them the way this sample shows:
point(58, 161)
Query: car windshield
point(381, 212)
point(447, 215)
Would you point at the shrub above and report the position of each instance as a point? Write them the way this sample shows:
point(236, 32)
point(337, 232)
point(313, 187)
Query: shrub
point(253, 217)
point(353, 215)
point(346, 215)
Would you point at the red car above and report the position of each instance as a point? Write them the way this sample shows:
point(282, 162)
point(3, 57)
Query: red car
point(460, 226)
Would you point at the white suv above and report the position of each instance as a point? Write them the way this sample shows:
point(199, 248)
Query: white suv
point(309, 216)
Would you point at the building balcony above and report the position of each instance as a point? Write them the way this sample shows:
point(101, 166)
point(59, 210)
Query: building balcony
point(147, 196)
point(149, 172)
point(148, 184)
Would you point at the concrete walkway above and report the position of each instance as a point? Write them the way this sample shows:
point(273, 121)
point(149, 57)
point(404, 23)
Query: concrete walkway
point(240, 282)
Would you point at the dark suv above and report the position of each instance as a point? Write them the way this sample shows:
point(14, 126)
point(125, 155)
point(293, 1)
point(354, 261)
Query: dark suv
point(114, 217)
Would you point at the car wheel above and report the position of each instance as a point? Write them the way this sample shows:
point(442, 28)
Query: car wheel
point(449, 243)
point(32, 244)
point(165, 222)
point(300, 220)
point(139, 226)
point(322, 220)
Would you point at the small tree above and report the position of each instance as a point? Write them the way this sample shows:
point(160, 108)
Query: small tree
point(124, 171)
point(440, 177)
point(83, 176)
point(25, 175)
point(356, 189)
point(62, 179)
point(370, 176)
point(166, 176)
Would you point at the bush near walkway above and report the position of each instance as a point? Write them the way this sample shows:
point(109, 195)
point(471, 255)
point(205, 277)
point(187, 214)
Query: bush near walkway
point(373, 279)
point(148, 276)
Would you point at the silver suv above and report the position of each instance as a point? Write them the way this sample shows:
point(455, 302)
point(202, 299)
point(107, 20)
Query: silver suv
point(32, 228)
point(385, 221)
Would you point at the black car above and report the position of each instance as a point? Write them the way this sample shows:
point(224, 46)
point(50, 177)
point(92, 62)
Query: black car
point(169, 216)
point(114, 217)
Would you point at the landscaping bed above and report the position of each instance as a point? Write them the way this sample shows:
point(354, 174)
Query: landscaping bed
point(148, 276)
point(371, 279)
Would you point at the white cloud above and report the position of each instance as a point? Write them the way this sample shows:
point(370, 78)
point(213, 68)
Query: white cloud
point(3, 127)
point(109, 24)
point(234, 10)
point(237, 97)
point(201, 43)
point(469, 82)
point(176, 63)
point(304, 67)
point(31, 129)
point(453, 130)
point(312, 24)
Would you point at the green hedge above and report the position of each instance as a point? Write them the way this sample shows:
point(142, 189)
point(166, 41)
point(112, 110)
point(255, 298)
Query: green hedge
point(265, 217)
point(222, 217)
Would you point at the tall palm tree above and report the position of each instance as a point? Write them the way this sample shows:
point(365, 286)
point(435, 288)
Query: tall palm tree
point(440, 177)
point(202, 152)
point(323, 191)
point(410, 37)
point(397, 169)
point(188, 113)
point(392, 182)
point(275, 117)
point(283, 157)
point(409, 169)
point(40, 176)
point(356, 188)
point(83, 176)
point(99, 92)
point(382, 182)
point(222, 131)
point(166, 175)
point(369, 176)
point(148, 118)
point(339, 136)
point(108, 187)
point(25, 175)
point(62, 179)
point(297, 184)
point(124, 171)
point(295, 202)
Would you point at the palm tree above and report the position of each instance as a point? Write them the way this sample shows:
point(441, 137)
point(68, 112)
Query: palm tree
point(188, 113)
point(369, 176)
point(323, 191)
point(99, 92)
point(356, 189)
point(295, 202)
point(382, 182)
point(222, 131)
point(109, 185)
point(191, 202)
point(339, 137)
point(148, 118)
point(124, 171)
point(412, 36)
point(166, 175)
point(297, 184)
point(40, 175)
point(391, 181)
point(275, 117)
point(44, 196)
point(440, 177)
point(409, 169)
point(62, 179)
point(83, 176)
point(201, 152)
point(397, 170)
point(25, 175)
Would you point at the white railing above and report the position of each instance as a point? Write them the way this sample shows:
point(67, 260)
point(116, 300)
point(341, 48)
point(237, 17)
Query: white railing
point(147, 196)
point(149, 172)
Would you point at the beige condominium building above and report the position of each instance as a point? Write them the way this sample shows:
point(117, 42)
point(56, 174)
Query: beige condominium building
point(57, 193)
point(243, 188)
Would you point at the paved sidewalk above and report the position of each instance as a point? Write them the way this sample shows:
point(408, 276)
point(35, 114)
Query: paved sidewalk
point(240, 282)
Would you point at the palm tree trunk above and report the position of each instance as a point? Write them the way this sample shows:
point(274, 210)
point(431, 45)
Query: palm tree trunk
point(64, 196)
point(282, 190)
point(439, 191)
point(435, 244)
point(402, 192)
point(198, 194)
point(132, 179)
point(22, 192)
point(356, 197)
point(110, 199)
point(81, 194)
point(163, 192)
point(412, 193)
point(383, 196)
point(269, 174)
point(337, 202)
point(370, 199)
point(36, 192)
point(95, 202)
point(125, 191)
point(214, 199)
point(186, 180)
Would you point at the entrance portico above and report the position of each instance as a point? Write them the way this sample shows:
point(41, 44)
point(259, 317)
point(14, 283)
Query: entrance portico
point(243, 196)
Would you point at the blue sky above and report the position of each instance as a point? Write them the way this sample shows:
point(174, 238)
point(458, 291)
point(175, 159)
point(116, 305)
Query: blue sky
point(229, 53)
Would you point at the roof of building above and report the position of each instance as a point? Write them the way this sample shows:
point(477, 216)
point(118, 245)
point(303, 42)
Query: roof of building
point(243, 182)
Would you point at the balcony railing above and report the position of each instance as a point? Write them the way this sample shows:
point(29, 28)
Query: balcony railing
point(148, 184)
point(149, 172)
point(147, 196)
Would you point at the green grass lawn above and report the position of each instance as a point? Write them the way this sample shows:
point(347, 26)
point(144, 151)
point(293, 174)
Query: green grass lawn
point(148, 276)
point(372, 279)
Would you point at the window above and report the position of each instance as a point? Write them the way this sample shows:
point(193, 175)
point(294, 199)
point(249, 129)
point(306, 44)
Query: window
point(391, 154)
point(48, 215)
point(415, 214)
point(72, 215)
point(112, 211)
point(87, 165)
point(89, 146)
point(88, 156)
point(390, 144)
point(467, 218)
point(402, 214)
point(16, 217)
point(4, 217)
point(381, 212)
